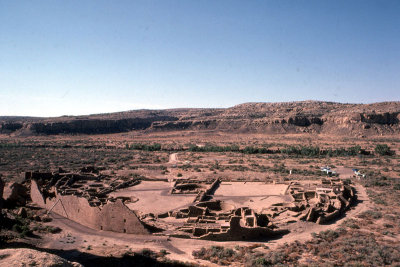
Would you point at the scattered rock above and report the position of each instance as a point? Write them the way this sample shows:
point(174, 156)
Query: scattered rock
point(31, 257)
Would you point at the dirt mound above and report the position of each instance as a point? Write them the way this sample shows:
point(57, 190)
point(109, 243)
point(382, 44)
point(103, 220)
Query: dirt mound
point(269, 118)
point(30, 257)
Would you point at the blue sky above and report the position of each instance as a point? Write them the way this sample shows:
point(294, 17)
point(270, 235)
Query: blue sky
point(84, 57)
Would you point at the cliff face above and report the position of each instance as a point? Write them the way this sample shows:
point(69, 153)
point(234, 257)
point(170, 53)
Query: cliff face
point(384, 118)
point(270, 118)
point(96, 126)
point(10, 127)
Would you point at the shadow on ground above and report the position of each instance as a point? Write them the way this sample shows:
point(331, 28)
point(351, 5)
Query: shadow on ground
point(90, 260)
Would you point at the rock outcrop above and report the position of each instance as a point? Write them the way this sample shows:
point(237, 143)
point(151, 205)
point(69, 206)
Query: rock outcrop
point(7, 127)
point(96, 126)
point(269, 118)
point(383, 118)
point(31, 257)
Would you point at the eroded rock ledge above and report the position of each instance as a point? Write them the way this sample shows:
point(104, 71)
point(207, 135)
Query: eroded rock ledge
point(290, 117)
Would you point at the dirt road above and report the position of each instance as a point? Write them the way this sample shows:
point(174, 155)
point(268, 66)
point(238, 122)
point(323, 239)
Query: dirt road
point(173, 158)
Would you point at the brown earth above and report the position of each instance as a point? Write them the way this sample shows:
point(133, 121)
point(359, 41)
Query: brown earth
point(31, 257)
point(45, 144)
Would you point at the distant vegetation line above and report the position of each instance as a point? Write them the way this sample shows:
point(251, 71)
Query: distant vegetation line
point(293, 150)
point(308, 151)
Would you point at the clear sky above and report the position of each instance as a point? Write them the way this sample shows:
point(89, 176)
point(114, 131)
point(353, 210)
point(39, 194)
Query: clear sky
point(84, 57)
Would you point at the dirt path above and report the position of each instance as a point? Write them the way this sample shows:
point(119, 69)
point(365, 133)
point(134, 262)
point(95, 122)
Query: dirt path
point(344, 173)
point(173, 158)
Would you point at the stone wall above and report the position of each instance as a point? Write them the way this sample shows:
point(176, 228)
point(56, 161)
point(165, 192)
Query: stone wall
point(113, 216)
point(117, 217)
point(237, 232)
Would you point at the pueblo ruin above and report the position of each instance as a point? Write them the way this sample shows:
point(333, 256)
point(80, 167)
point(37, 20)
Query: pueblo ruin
point(217, 210)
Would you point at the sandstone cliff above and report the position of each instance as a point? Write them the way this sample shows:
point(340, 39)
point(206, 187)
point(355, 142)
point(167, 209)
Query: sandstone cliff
point(270, 118)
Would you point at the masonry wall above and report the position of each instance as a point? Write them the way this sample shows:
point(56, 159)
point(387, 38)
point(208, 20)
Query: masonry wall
point(238, 232)
point(116, 217)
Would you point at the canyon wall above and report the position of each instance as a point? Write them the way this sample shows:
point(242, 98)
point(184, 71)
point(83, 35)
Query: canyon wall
point(269, 118)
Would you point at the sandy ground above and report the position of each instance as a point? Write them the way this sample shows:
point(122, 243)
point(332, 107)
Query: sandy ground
point(344, 172)
point(154, 197)
point(75, 236)
point(250, 189)
point(255, 195)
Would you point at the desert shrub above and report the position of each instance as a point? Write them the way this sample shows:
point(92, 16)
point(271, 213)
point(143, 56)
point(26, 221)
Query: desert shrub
point(49, 229)
point(328, 248)
point(351, 223)
point(213, 148)
point(145, 147)
point(215, 254)
point(328, 235)
point(315, 151)
point(23, 230)
point(383, 150)
point(256, 150)
point(363, 249)
point(238, 168)
point(374, 214)
point(396, 186)
point(375, 180)
point(279, 168)
point(54, 230)
point(354, 150)
point(147, 253)
point(163, 252)
point(379, 201)
point(260, 262)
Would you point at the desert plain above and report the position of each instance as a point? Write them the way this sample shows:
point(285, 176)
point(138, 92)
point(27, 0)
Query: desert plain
point(259, 184)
